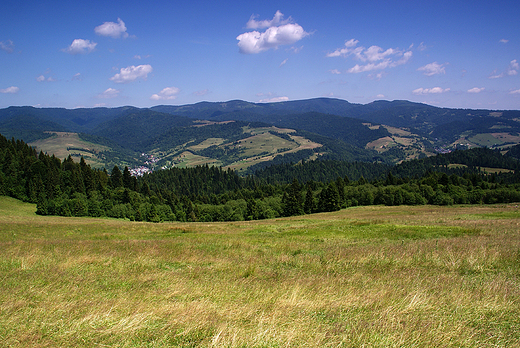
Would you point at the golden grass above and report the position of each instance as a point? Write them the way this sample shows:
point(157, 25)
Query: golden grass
point(368, 276)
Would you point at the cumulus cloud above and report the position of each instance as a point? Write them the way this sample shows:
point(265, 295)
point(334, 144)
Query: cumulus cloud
point(276, 21)
point(132, 73)
point(168, 93)
point(109, 93)
point(7, 46)
point(279, 32)
point(10, 90)
point(380, 96)
point(432, 69)
point(42, 77)
point(111, 29)
point(512, 70)
point(374, 57)
point(476, 90)
point(80, 46)
point(274, 100)
point(434, 90)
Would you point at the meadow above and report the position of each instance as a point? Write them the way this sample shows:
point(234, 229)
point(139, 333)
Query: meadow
point(375, 276)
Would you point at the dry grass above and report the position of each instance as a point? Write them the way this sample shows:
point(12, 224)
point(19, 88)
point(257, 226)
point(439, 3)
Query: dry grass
point(371, 276)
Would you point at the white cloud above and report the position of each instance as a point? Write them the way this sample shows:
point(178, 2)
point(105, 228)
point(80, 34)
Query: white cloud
point(422, 47)
point(42, 78)
point(432, 69)
point(503, 41)
point(109, 93)
point(274, 100)
point(10, 90)
point(335, 72)
point(515, 92)
point(7, 46)
point(380, 96)
point(295, 49)
point(434, 90)
point(276, 21)
point(168, 93)
point(512, 70)
point(132, 73)
point(284, 62)
point(114, 30)
point(77, 76)
point(476, 90)
point(279, 32)
point(80, 46)
point(375, 57)
point(344, 51)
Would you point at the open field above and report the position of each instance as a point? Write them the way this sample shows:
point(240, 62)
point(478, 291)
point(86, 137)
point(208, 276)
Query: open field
point(373, 276)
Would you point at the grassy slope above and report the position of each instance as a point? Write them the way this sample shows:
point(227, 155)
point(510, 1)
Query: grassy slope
point(375, 276)
point(59, 143)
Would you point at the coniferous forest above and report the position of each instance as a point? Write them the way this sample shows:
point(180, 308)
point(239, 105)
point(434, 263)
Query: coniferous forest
point(204, 193)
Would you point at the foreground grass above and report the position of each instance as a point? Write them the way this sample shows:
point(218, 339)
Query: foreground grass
point(372, 276)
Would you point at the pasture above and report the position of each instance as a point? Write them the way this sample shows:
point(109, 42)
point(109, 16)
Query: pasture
point(374, 276)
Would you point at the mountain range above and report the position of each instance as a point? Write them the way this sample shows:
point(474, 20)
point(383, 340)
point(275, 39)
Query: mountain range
point(246, 136)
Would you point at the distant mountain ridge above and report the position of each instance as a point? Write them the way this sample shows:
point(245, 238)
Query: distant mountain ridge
point(387, 131)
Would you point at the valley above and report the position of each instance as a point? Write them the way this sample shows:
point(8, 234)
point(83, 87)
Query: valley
point(244, 136)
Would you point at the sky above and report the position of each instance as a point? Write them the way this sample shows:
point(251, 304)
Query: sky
point(457, 54)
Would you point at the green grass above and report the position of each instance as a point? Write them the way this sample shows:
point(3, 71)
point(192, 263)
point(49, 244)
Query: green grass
point(59, 143)
point(367, 276)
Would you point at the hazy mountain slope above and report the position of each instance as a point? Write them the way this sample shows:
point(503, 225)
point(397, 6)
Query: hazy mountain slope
point(139, 129)
point(72, 120)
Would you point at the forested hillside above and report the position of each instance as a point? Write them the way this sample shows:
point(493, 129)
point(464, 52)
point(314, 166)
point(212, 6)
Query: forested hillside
point(381, 131)
point(205, 193)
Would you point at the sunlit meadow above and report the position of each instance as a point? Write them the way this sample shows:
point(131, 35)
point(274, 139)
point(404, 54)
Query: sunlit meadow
point(374, 276)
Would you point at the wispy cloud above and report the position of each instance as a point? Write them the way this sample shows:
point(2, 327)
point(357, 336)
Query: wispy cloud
point(111, 29)
point(168, 93)
point(432, 69)
point(503, 41)
point(274, 100)
point(512, 70)
point(335, 71)
point(80, 46)
point(476, 90)
point(279, 32)
point(7, 46)
point(201, 93)
point(375, 57)
point(132, 73)
point(434, 90)
point(109, 93)
point(10, 90)
point(284, 62)
point(515, 92)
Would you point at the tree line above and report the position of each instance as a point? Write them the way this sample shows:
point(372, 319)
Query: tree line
point(204, 193)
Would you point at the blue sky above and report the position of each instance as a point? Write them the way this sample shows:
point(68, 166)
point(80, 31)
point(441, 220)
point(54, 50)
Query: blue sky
point(462, 54)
